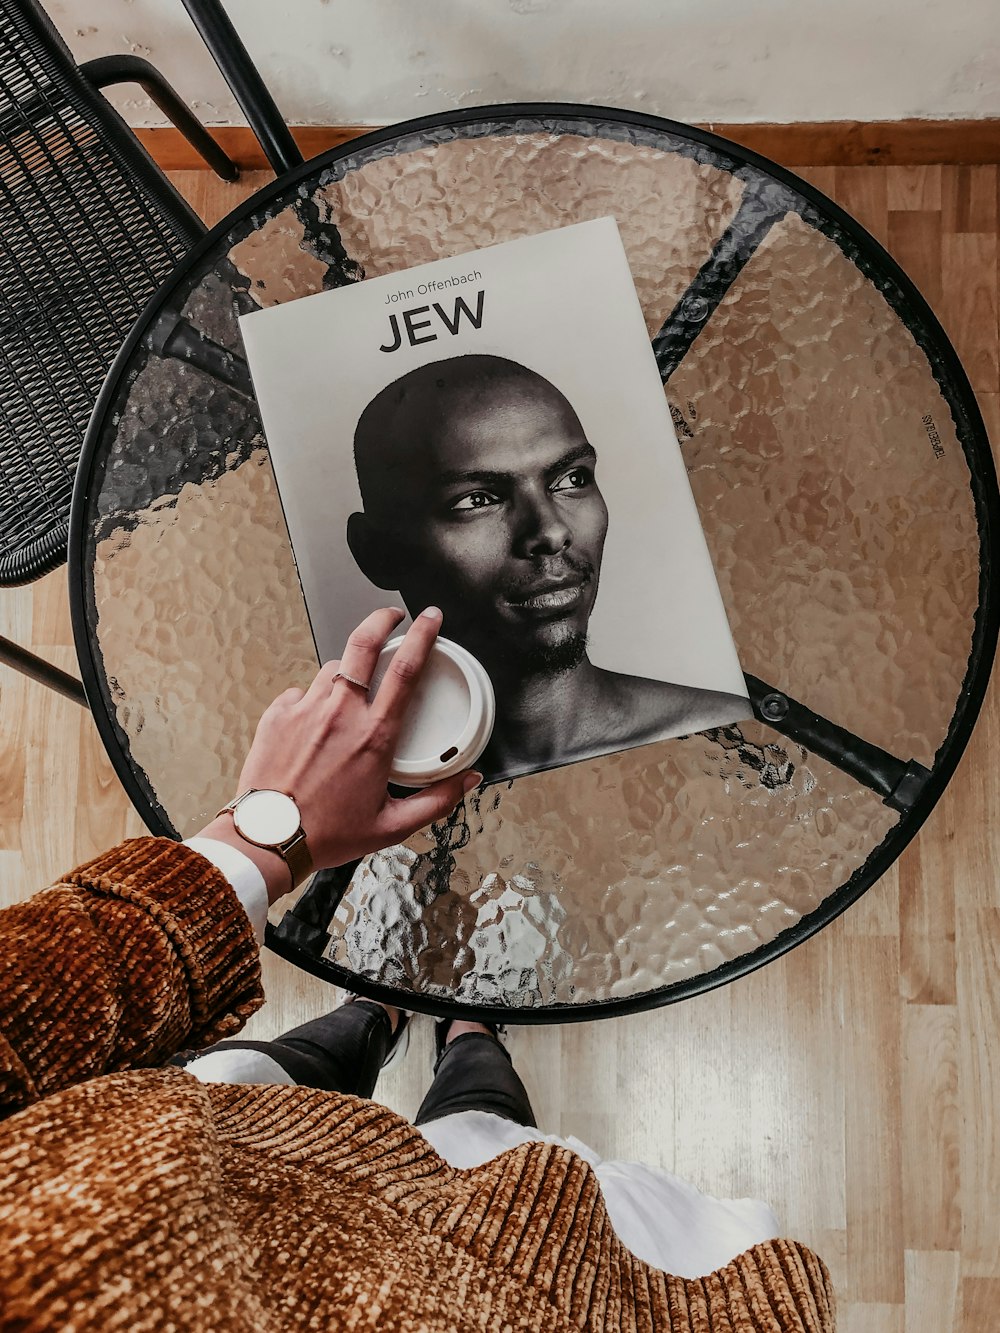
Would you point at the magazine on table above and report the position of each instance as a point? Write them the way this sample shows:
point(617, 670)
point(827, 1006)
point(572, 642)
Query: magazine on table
point(489, 434)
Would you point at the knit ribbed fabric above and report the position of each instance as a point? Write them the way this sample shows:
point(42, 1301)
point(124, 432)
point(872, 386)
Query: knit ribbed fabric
point(147, 1200)
point(129, 958)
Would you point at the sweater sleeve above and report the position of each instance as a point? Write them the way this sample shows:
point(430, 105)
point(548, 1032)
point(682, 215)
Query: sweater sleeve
point(128, 959)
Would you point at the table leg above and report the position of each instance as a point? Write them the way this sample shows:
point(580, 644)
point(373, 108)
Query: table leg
point(13, 655)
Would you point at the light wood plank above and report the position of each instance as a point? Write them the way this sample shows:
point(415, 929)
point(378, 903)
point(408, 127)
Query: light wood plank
point(13, 763)
point(969, 199)
point(212, 198)
point(914, 239)
point(931, 1128)
point(647, 1077)
point(101, 818)
point(932, 1291)
point(980, 1305)
point(914, 187)
point(824, 178)
point(864, 192)
point(969, 810)
point(979, 1074)
point(927, 913)
point(865, 1318)
point(877, 911)
point(873, 1113)
point(969, 309)
point(50, 612)
point(793, 1026)
point(588, 1118)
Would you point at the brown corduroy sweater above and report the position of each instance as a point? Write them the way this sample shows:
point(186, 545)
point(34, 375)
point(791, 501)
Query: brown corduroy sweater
point(134, 1197)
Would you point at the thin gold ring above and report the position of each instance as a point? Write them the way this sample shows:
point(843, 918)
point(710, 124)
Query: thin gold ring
point(361, 684)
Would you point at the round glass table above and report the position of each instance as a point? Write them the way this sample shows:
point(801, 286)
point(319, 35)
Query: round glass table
point(843, 478)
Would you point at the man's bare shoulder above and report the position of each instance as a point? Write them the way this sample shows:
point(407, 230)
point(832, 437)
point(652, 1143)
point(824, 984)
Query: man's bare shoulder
point(658, 707)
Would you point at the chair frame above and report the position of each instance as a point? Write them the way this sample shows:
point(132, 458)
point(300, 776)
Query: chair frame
point(239, 71)
point(81, 85)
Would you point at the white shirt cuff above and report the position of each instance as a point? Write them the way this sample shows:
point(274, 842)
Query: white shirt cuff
point(243, 875)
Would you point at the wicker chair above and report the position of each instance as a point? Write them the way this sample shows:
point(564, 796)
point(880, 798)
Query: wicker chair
point(89, 228)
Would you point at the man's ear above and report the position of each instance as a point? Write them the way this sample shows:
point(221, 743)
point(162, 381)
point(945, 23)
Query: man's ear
point(374, 552)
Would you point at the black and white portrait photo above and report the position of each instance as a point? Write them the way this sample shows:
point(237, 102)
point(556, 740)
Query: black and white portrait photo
point(489, 434)
point(481, 495)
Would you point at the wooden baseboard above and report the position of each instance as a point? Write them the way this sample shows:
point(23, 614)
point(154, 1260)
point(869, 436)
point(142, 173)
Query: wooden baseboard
point(832, 143)
point(173, 152)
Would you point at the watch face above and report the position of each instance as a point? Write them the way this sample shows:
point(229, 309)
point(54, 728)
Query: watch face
point(267, 817)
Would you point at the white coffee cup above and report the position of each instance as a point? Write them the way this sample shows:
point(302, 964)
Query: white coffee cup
point(449, 721)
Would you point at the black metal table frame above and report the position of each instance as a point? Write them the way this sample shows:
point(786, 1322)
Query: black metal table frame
point(916, 790)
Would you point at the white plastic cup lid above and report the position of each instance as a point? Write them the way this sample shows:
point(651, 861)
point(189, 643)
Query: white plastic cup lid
point(450, 719)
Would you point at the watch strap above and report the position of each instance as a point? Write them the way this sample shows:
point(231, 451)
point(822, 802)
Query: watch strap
point(296, 856)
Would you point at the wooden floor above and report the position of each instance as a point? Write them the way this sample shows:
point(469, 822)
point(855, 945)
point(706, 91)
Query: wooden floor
point(855, 1083)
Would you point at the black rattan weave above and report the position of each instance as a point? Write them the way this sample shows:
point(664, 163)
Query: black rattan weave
point(89, 228)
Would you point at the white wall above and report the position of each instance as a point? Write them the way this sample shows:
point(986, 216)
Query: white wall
point(371, 61)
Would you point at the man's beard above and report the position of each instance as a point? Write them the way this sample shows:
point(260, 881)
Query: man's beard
point(552, 659)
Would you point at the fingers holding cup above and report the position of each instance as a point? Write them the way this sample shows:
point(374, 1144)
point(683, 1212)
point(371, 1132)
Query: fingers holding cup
point(403, 674)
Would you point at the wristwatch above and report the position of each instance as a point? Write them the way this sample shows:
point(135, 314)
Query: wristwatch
point(271, 819)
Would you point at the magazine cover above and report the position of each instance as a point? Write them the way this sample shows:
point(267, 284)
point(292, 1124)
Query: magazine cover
point(489, 434)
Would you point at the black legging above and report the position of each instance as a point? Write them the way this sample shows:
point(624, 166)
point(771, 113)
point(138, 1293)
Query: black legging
point(343, 1052)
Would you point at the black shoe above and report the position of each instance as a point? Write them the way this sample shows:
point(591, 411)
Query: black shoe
point(497, 1030)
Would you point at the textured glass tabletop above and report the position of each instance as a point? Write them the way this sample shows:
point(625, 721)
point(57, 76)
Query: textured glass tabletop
point(843, 479)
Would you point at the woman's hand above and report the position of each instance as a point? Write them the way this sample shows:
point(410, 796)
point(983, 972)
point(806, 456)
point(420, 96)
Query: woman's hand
point(331, 751)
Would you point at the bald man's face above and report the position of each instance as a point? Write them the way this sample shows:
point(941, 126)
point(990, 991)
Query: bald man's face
point(495, 516)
